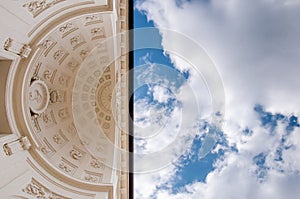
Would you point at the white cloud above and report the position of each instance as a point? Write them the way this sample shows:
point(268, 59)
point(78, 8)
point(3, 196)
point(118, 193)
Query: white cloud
point(235, 176)
point(254, 44)
point(160, 124)
point(234, 181)
point(256, 48)
point(161, 94)
point(162, 137)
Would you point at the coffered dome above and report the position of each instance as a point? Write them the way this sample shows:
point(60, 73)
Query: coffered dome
point(66, 98)
point(48, 92)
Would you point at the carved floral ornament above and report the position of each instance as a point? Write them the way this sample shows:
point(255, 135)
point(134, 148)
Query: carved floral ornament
point(36, 7)
point(97, 164)
point(64, 167)
point(91, 178)
point(65, 28)
point(37, 190)
point(97, 31)
point(47, 43)
point(92, 19)
point(75, 40)
point(75, 154)
point(57, 139)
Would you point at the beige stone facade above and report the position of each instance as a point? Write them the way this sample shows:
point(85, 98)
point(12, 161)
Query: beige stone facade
point(64, 104)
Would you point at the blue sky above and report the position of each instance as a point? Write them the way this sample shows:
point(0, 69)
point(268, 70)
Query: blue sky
point(187, 164)
point(256, 49)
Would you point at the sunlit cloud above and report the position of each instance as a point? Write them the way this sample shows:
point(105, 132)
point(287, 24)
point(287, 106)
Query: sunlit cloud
point(256, 48)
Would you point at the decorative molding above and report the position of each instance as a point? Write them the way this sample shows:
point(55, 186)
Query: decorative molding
point(17, 145)
point(67, 167)
point(93, 19)
point(23, 50)
point(47, 149)
point(17, 197)
point(47, 45)
point(72, 65)
point(98, 33)
point(122, 93)
point(36, 7)
point(49, 74)
point(72, 129)
point(64, 80)
point(55, 183)
point(67, 29)
point(64, 167)
point(71, 14)
point(48, 118)
point(63, 114)
point(104, 95)
point(59, 138)
point(98, 163)
point(76, 154)
point(84, 53)
point(60, 55)
point(57, 96)
point(77, 41)
point(39, 191)
point(35, 123)
point(93, 177)
point(36, 69)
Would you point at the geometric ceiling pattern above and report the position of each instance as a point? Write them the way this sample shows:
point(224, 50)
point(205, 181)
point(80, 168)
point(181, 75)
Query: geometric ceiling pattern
point(52, 73)
point(62, 75)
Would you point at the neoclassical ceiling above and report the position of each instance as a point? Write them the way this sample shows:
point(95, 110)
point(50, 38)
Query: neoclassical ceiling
point(49, 91)
point(66, 92)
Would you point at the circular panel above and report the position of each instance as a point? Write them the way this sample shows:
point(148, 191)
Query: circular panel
point(38, 96)
point(104, 96)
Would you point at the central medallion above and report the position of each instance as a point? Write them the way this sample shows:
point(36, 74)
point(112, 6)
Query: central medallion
point(38, 96)
point(104, 96)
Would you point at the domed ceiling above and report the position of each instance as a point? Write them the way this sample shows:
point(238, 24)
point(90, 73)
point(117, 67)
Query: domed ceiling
point(49, 87)
point(66, 94)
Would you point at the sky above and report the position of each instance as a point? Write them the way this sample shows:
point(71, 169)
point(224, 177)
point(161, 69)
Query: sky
point(252, 50)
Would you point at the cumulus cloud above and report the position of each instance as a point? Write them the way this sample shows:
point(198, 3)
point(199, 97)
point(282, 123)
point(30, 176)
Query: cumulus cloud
point(165, 116)
point(167, 113)
point(256, 48)
point(252, 172)
point(254, 44)
point(161, 94)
